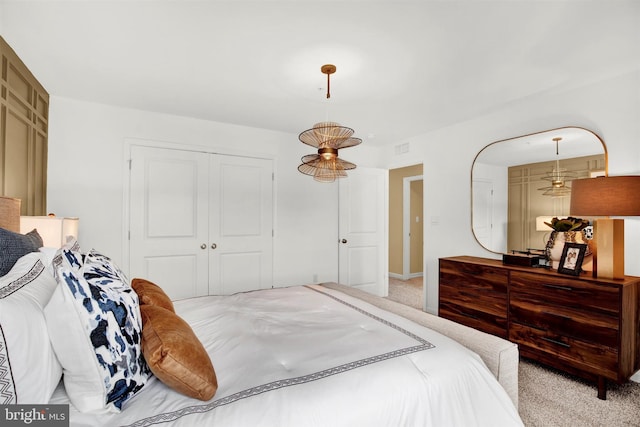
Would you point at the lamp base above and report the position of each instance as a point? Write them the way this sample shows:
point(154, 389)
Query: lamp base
point(608, 260)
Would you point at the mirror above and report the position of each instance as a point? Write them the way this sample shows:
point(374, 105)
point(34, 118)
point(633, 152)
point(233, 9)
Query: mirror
point(509, 178)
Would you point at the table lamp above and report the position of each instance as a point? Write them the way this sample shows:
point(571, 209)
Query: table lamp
point(605, 197)
point(54, 230)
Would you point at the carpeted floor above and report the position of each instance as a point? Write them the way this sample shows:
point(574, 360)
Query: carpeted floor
point(407, 292)
point(550, 398)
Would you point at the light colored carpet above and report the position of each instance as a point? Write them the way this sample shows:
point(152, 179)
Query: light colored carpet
point(550, 398)
point(407, 292)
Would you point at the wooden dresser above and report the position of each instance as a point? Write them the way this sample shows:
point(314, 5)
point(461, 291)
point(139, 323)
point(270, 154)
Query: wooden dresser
point(584, 326)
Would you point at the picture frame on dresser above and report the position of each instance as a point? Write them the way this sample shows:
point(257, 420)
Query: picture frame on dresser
point(572, 258)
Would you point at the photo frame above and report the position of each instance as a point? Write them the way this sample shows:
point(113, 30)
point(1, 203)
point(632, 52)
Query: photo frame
point(572, 257)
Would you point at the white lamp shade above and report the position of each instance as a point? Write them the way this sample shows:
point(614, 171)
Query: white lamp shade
point(54, 230)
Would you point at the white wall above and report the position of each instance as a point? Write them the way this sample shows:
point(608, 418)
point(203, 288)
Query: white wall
point(86, 171)
point(610, 108)
point(87, 175)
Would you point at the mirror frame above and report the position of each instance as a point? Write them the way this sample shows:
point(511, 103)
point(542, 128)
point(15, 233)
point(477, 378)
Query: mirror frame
point(529, 135)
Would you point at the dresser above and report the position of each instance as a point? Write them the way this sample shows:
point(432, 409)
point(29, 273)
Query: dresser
point(578, 324)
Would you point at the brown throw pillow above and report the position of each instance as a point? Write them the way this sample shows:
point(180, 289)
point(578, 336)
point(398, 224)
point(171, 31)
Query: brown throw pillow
point(151, 294)
point(175, 355)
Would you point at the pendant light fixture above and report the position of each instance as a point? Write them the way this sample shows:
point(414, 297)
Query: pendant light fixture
point(558, 177)
point(328, 138)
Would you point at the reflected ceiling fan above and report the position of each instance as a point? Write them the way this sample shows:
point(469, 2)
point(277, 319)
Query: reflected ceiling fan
point(328, 138)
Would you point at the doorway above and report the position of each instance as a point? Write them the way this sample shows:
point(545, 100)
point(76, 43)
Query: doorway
point(406, 260)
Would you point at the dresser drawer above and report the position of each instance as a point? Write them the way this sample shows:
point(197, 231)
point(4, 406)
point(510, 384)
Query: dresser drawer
point(474, 295)
point(578, 294)
point(584, 325)
point(477, 284)
point(474, 317)
point(556, 350)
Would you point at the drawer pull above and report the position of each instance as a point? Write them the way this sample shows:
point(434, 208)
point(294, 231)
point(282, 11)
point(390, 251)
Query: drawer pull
point(562, 288)
point(469, 295)
point(550, 313)
point(560, 343)
point(471, 272)
point(471, 316)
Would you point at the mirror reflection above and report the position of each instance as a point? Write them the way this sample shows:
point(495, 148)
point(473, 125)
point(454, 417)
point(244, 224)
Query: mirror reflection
point(518, 180)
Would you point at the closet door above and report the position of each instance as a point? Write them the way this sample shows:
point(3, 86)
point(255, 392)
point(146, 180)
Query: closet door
point(169, 209)
point(240, 224)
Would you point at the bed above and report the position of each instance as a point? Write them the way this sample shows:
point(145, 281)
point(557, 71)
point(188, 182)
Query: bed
point(309, 355)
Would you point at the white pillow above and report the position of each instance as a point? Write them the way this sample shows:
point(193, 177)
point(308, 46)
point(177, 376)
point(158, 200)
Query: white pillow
point(47, 255)
point(29, 369)
point(95, 328)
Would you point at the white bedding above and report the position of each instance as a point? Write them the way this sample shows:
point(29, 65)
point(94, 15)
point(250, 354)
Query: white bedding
point(312, 356)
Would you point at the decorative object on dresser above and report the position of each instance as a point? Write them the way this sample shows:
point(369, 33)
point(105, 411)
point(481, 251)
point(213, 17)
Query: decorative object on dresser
point(607, 196)
point(589, 327)
point(565, 230)
point(571, 259)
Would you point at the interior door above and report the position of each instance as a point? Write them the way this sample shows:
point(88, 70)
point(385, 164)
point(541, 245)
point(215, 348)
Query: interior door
point(483, 211)
point(241, 224)
point(362, 245)
point(169, 219)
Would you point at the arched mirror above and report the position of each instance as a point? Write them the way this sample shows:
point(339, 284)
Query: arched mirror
point(518, 180)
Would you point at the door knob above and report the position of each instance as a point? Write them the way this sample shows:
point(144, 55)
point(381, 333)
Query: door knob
point(203, 246)
point(213, 246)
point(344, 240)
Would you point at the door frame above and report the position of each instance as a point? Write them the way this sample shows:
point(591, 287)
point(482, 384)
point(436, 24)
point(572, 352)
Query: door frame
point(126, 180)
point(406, 226)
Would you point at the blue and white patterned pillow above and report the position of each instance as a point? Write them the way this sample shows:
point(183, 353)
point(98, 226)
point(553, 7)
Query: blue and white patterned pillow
point(96, 330)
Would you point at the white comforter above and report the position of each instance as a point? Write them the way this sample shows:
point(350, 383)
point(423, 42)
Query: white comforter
point(311, 356)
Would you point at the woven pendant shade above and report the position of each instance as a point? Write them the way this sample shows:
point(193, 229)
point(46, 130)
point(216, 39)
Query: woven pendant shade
point(10, 213)
point(328, 138)
point(324, 168)
point(329, 135)
point(558, 178)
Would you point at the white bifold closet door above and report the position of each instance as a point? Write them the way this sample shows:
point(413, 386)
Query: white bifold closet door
point(200, 223)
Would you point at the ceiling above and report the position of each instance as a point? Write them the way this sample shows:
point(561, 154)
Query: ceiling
point(403, 67)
